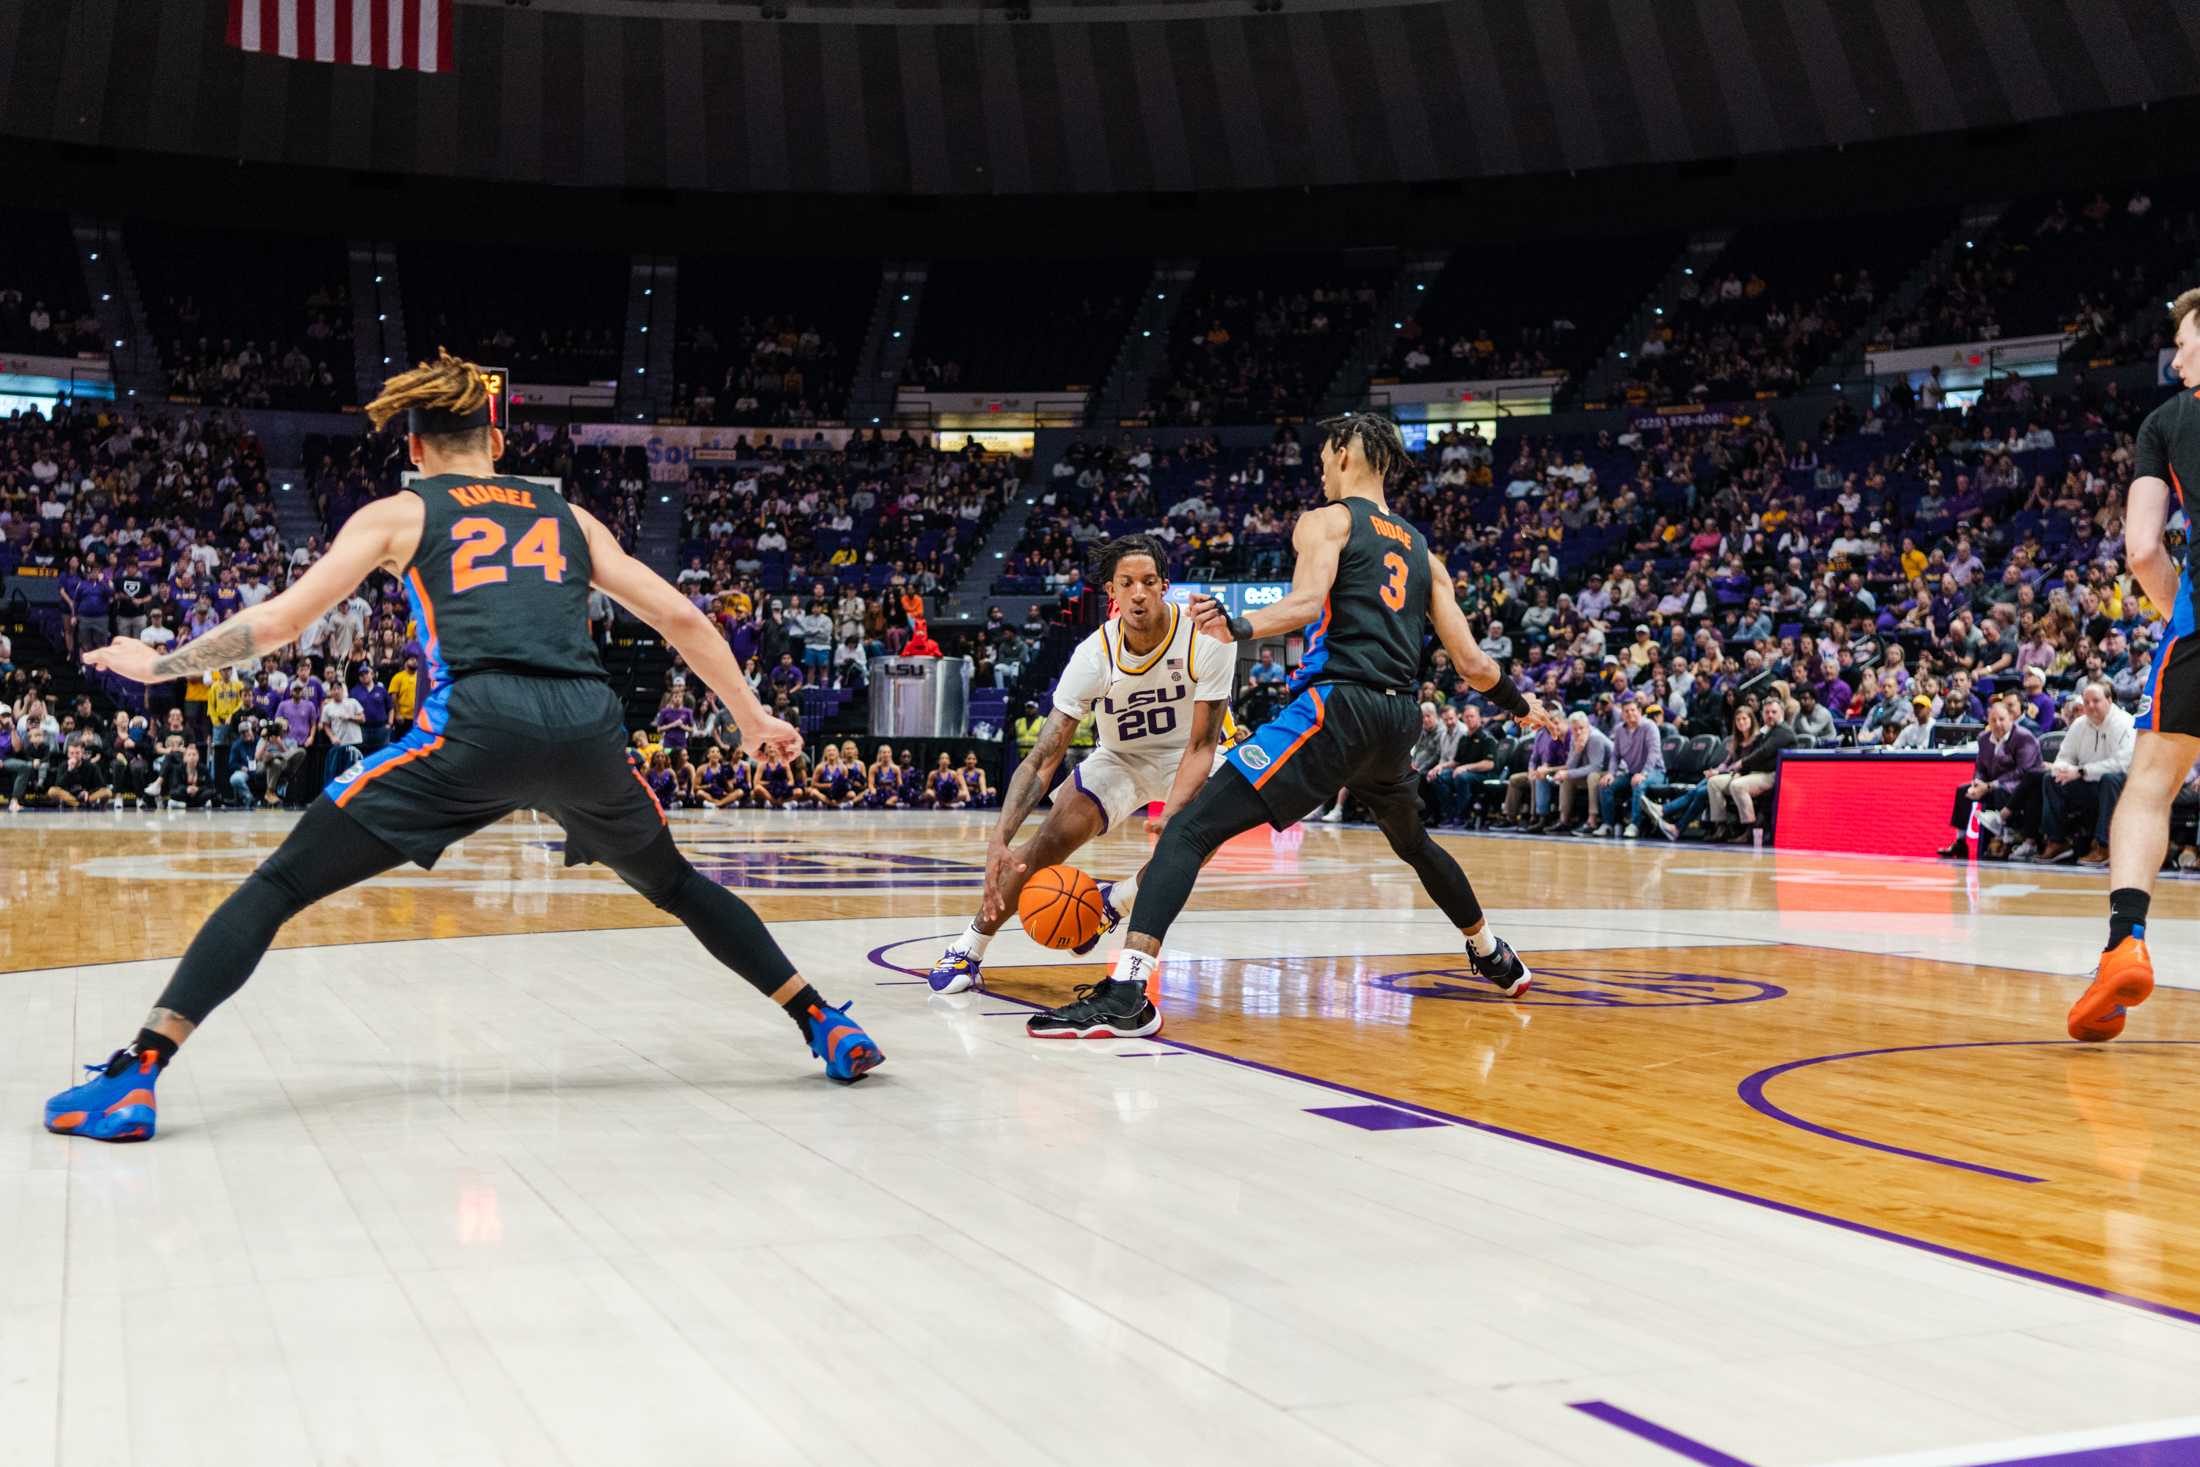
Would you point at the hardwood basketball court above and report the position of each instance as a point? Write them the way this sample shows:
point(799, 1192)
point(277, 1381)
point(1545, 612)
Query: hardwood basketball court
point(1785, 1159)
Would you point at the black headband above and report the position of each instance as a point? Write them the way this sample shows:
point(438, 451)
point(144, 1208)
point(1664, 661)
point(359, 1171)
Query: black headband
point(428, 420)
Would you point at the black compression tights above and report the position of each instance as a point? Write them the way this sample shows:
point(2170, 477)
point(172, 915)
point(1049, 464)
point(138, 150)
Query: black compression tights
point(328, 851)
point(1228, 806)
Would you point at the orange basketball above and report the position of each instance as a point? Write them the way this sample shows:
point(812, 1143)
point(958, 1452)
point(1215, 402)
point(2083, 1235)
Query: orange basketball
point(1060, 907)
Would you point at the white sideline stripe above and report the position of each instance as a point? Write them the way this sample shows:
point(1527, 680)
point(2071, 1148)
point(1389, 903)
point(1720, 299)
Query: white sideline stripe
point(1985, 1454)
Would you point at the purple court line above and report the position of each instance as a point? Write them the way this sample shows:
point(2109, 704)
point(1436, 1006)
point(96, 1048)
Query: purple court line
point(1752, 1091)
point(1788, 1209)
point(1656, 1435)
point(2179, 1451)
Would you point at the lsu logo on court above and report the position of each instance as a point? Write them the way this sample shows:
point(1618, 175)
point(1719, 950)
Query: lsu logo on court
point(1254, 756)
point(1588, 988)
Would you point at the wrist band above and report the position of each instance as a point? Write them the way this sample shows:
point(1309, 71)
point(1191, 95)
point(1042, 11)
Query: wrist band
point(1241, 629)
point(1507, 697)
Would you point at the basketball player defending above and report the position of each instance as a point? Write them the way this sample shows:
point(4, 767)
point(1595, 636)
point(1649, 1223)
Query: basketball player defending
point(1368, 586)
point(515, 713)
point(2169, 714)
point(1162, 693)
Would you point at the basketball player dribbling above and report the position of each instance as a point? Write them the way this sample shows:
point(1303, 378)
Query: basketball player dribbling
point(515, 713)
point(1367, 586)
point(2167, 451)
point(1161, 693)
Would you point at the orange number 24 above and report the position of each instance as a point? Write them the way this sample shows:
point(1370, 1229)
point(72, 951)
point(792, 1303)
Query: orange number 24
point(482, 537)
point(1394, 589)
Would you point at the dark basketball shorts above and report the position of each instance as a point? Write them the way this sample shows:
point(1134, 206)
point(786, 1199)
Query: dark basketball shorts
point(493, 743)
point(1334, 736)
point(2171, 703)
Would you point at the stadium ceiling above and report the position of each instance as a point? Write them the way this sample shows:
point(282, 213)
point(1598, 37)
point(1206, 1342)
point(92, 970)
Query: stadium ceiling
point(900, 98)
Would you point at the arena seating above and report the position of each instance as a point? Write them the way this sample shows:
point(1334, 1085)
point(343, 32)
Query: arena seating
point(42, 305)
point(552, 317)
point(1260, 338)
point(1498, 310)
point(770, 341)
point(243, 324)
point(1023, 325)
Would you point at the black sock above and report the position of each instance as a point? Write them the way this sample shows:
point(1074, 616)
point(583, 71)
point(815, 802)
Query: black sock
point(2127, 915)
point(159, 1046)
point(799, 1008)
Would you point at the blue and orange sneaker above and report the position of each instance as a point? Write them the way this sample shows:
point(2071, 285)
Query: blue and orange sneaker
point(2124, 980)
point(848, 1052)
point(1109, 917)
point(955, 972)
point(115, 1105)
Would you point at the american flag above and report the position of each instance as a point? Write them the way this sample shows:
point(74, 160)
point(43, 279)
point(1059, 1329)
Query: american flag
point(402, 35)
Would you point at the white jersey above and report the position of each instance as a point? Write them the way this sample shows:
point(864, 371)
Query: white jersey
point(1143, 704)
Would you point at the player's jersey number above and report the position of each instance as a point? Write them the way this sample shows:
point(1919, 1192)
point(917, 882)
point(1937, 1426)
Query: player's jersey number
point(479, 538)
point(1394, 589)
point(1139, 723)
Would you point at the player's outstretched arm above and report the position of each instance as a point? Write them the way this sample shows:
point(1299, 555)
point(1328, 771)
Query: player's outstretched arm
point(1029, 784)
point(383, 534)
point(2146, 514)
point(652, 598)
point(1317, 540)
point(1025, 787)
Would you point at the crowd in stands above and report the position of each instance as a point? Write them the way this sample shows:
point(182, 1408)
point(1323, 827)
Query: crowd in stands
point(814, 558)
point(239, 324)
point(43, 310)
point(551, 317)
point(2090, 268)
point(976, 329)
point(692, 760)
point(29, 323)
point(1882, 581)
point(1254, 343)
point(779, 370)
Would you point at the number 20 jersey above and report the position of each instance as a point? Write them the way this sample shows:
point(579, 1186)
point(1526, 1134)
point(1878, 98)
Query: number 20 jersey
point(1143, 704)
point(500, 581)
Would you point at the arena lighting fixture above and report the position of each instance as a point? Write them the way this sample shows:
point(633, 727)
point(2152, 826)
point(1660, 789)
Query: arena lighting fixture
point(95, 254)
point(377, 280)
point(645, 331)
point(105, 297)
point(1397, 325)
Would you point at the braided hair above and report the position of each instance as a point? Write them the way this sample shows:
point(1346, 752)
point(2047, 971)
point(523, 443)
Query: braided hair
point(1377, 438)
point(449, 384)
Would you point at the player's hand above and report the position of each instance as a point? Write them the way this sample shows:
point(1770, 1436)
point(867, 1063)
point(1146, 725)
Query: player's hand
point(1541, 717)
point(126, 657)
point(1001, 866)
point(1210, 617)
point(1155, 824)
point(770, 733)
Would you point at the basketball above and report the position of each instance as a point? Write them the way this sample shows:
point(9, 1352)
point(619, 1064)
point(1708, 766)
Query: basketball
point(1060, 907)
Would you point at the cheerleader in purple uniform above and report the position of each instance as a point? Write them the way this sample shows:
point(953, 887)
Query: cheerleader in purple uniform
point(662, 782)
point(829, 785)
point(775, 784)
point(859, 778)
point(714, 780)
point(974, 785)
point(886, 790)
point(947, 792)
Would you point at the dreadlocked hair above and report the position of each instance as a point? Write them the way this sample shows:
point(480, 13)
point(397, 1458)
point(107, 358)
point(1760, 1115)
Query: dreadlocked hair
point(1105, 558)
point(1377, 437)
point(451, 383)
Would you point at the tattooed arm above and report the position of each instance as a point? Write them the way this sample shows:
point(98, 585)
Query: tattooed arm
point(383, 535)
point(1025, 789)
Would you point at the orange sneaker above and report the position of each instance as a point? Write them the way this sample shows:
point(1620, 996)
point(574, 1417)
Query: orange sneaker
point(2125, 979)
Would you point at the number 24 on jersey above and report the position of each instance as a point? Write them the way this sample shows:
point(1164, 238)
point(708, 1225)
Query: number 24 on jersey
point(481, 538)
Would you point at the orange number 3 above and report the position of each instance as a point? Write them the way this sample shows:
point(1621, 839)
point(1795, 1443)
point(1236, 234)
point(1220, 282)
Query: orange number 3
point(1394, 589)
point(481, 537)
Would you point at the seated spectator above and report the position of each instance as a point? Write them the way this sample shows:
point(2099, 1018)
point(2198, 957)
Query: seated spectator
point(1636, 761)
point(1472, 759)
point(1588, 754)
point(1531, 793)
point(2082, 785)
point(2004, 788)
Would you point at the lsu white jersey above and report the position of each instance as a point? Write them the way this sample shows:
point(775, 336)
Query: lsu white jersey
point(1144, 704)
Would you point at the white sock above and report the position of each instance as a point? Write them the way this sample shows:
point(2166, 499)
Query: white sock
point(972, 942)
point(1484, 942)
point(1121, 894)
point(1134, 967)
